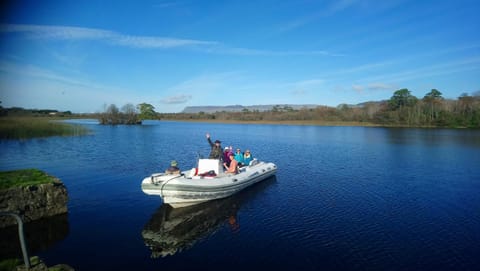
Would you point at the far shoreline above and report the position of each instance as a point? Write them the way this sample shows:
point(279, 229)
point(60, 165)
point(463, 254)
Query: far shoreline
point(310, 123)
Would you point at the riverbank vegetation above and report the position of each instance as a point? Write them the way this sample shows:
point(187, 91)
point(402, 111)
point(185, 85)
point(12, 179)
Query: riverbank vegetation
point(23, 177)
point(401, 110)
point(23, 127)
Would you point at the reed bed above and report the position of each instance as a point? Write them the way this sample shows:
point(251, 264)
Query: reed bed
point(32, 127)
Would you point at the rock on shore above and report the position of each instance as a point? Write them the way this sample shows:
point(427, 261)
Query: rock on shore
point(33, 202)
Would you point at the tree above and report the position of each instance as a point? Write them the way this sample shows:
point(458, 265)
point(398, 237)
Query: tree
point(433, 94)
point(112, 114)
point(130, 114)
point(402, 98)
point(433, 100)
point(147, 111)
point(465, 103)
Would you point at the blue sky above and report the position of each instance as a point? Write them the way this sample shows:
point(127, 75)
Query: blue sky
point(83, 55)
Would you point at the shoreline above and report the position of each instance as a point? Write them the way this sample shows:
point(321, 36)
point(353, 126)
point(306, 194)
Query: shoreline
point(311, 123)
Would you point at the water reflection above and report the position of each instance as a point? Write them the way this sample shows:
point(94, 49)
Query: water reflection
point(433, 137)
point(40, 235)
point(172, 230)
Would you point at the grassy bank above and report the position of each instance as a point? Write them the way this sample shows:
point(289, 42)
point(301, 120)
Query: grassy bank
point(31, 127)
point(23, 177)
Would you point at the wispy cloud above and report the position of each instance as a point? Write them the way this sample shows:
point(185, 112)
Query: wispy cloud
point(81, 33)
point(24, 72)
point(223, 49)
point(323, 11)
point(358, 88)
point(177, 99)
point(379, 86)
point(396, 78)
point(452, 67)
point(340, 5)
point(167, 4)
point(21, 71)
point(372, 86)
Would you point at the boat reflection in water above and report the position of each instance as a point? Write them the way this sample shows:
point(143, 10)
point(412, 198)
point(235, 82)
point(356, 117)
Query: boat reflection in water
point(171, 230)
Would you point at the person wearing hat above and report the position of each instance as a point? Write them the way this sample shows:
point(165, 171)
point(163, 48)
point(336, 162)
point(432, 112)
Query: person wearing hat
point(216, 152)
point(173, 169)
point(226, 156)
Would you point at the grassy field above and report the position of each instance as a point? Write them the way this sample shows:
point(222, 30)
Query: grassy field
point(31, 127)
point(23, 177)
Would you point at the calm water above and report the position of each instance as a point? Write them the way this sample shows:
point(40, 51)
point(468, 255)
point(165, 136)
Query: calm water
point(344, 198)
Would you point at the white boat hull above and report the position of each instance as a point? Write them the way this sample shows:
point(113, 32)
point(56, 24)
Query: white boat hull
point(184, 189)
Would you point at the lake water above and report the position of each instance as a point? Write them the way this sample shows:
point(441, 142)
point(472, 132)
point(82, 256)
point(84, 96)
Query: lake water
point(344, 198)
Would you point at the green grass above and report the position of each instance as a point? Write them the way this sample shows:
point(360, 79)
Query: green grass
point(32, 127)
point(23, 177)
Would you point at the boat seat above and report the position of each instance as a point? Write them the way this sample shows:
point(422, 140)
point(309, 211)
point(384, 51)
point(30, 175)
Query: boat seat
point(206, 165)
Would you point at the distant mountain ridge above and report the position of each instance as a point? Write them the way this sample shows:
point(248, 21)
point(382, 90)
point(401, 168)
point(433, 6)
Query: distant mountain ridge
point(239, 108)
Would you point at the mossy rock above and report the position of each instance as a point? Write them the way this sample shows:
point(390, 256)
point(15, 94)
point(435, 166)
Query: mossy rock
point(32, 194)
point(23, 178)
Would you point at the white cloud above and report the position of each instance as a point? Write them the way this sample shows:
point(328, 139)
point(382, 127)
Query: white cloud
point(177, 99)
point(57, 32)
point(156, 42)
point(358, 88)
point(379, 86)
point(372, 86)
point(81, 33)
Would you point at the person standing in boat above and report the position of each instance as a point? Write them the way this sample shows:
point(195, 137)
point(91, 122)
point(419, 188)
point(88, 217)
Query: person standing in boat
point(216, 152)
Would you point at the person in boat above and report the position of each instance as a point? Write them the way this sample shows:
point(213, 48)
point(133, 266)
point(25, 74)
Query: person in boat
point(233, 168)
point(216, 152)
point(247, 157)
point(226, 156)
point(239, 157)
point(173, 169)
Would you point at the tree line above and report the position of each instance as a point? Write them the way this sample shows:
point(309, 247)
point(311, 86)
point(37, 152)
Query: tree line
point(402, 109)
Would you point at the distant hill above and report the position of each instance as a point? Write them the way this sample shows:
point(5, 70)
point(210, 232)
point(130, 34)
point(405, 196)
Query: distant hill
point(239, 108)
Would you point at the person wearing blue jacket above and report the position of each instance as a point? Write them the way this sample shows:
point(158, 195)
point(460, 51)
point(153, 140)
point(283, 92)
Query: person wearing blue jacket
point(247, 157)
point(239, 157)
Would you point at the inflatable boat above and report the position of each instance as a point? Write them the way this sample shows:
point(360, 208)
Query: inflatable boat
point(205, 182)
